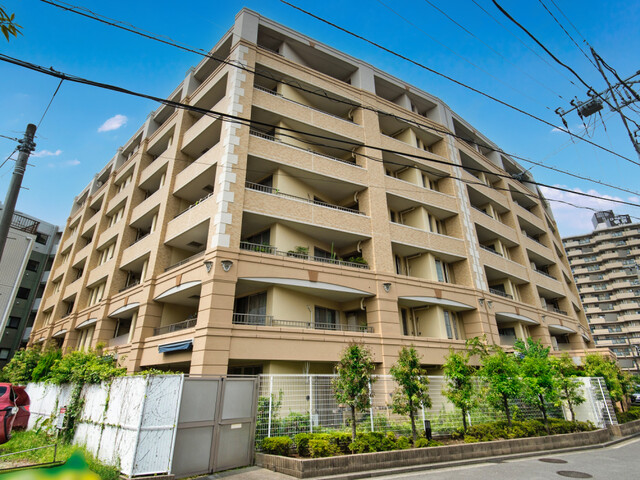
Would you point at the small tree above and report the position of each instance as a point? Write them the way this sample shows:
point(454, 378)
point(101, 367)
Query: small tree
point(618, 382)
point(352, 385)
point(538, 376)
point(20, 368)
point(501, 375)
point(460, 387)
point(568, 388)
point(413, 386)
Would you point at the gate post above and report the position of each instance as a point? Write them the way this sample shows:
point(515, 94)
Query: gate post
point(310, 404)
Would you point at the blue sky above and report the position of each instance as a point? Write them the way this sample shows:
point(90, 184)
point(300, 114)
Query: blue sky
point(85, 126)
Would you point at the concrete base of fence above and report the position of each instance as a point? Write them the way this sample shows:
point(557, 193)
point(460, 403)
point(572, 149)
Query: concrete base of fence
point(625, 429)
point(309, 468)
point(153, 477)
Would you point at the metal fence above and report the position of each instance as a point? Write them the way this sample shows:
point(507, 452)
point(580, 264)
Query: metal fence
point(291, 404)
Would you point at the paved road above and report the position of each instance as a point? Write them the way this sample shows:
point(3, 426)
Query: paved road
point(618, 462)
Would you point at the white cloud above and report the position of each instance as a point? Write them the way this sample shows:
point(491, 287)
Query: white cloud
point(113, 123)
point(66, 164)
point(573, 220)
point(46, 153)
point(578, 129)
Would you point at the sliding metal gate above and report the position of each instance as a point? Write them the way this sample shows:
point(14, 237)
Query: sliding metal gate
point(216, 425)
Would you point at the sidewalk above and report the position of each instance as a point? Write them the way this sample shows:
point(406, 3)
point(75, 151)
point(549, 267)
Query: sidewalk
point(248, 473)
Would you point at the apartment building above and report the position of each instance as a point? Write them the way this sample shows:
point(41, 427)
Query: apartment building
point(24, 270)
point(348, 206)
point(605, 267)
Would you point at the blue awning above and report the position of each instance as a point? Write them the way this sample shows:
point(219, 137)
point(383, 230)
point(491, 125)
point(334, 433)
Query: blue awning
point(175, 346)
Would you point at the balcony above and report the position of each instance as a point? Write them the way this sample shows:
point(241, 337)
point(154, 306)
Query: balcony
point(272, 138)
point(490, 224)
point(308, 114)
point(194, 204)
point(176, 327)
point(556, 310)
point(270, 250)
point(185, 261)
point(269, 321)
point(201, 171)
point(275, 191)
point(120, 197)
point(119, 341)
point(503, 268)
point(501, 293)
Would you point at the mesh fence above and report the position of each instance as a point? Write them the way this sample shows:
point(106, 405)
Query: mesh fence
point(291, 404)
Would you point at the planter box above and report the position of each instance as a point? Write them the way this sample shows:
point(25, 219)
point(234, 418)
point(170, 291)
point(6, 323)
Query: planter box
point(624, 429)
point(313, 467)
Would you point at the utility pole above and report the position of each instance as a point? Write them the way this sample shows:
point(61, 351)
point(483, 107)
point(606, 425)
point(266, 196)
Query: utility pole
point(25, 148)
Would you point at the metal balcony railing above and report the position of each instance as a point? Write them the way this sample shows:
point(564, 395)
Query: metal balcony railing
point(491, 250)
point(275, 191)
point(176, 327)
point(271, 250)
point(20, 222)
point(197, 202)
point(546, 274)
point(276, 94)
point(269, 321)
point(501, 293)
point(272, 138)
point(186, 260)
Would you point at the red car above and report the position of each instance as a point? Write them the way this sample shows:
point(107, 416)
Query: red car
point(14, 409)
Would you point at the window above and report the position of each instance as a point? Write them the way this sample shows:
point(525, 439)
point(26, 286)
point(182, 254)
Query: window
point(262, 238)
point(41, 238)
point(4, 353)
point(106, 253)
point(122, 328)
point(116, 217)
point(325, 318)
point(86, 335)
point(507, 332)
point(451, 325)
point(96, 293)
point(46, 317)
point(124, 183)
point(251, 310)
point(443, 272)
point(14, 322)
point(32, 265)
point(23, 293)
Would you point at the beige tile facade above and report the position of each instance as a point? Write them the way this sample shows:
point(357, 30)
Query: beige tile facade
point(272, 246)
point(605, 268)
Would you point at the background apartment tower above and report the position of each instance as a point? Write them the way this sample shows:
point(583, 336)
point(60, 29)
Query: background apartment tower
point(266, 245)
point(605, 266)
point(24, 270)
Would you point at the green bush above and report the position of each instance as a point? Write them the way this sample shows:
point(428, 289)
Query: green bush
point(402, 443)
point(373, 442)
point(423, 442)
point(276, 445)
point(631, 415)
point(302, 443)
point(341, 440)
point(322, 447)
point(486, 432)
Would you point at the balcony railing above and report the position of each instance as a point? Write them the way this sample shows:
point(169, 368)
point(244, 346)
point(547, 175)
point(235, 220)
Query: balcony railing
point(26, 224)
point(129, 285)
point(176, 327)
point(186, 260)
point(501, 293)
point(545, 274)
point(269, 321)
point(556, 310)
point(271, 250)
point(276, 94)
point(491, 250)
point(139, 238)
point(275, 191)
point(482, 211)
point(197, 202)
point(272, 138)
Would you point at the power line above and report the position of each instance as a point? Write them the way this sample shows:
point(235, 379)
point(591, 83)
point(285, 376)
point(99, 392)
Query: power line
point(492, 49)
point(50, 102)
point(533, 99)
point(9, 138)
point(570, 23)
point(506, 14)
point(567, 33)
point(524, 44)
point(248, 122)
point(294, 84)
point(457, 82)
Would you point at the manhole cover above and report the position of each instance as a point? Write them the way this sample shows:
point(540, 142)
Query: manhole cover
point(573, 474)
point(552, 460)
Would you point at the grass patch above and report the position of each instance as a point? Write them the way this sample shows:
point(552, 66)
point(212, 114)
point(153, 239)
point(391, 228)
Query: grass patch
point(30, 439)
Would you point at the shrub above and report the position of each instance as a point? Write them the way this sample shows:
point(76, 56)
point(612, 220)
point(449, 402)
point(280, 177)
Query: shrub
point(632, 414)
point(485, 432)
point(322, 447)
point(373, 442)
point(276, 445)
point(302, 443)
point(402, 443)
point(423, 442)
point(341, 440)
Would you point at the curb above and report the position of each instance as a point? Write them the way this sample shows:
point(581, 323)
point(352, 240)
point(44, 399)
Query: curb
point(473, 461)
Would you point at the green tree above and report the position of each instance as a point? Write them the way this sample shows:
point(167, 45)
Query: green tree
point(20, 368)
point(618, 382)
point(84, 367)
point(538, 376)
point(413, 386)
point(568, 388)
point(460, 386)
point(352, 385)
point(501, 374)
point(8, 26)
